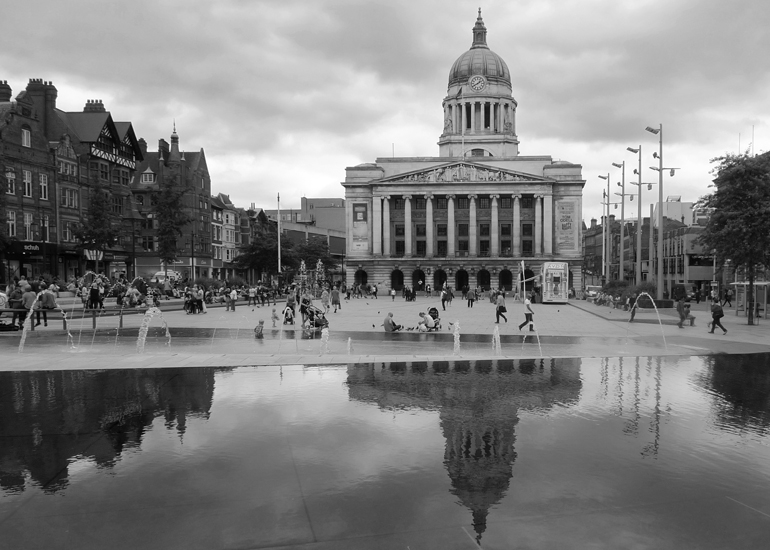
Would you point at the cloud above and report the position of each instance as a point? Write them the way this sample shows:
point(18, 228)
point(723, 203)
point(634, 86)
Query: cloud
point(284, 95)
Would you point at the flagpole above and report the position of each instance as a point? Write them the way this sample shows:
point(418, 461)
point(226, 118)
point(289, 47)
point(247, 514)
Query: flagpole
point(279, 238)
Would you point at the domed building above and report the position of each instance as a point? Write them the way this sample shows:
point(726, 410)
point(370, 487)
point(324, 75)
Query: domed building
point(479, 214)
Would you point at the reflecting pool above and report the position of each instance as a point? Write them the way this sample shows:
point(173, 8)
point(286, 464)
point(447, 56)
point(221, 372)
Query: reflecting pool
point(663, 452)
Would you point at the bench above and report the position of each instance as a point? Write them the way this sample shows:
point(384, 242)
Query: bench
point(32, 323)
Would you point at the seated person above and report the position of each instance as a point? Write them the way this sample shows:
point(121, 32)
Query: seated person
point(427, 323)
point(390, 325)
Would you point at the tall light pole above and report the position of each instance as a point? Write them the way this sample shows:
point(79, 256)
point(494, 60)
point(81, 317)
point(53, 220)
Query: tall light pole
point(605, 231)
point(279, 239)
point(638, 266)
point(622, 166)
point(659, 253)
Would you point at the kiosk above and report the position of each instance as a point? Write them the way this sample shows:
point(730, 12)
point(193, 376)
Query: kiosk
point(555, 282)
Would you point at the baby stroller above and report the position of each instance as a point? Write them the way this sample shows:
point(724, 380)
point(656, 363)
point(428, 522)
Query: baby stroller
point(288, 315)
point(316, 317)
point(433, 312)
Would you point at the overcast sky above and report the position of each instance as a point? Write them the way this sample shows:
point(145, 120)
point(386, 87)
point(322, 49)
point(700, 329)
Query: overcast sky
point(283, 95)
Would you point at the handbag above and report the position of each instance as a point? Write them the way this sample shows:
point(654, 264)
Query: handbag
point(502, 309)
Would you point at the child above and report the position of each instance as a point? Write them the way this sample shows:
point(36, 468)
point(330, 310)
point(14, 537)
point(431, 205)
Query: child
point(274, 317)
point(392, 294)
point(259, 328)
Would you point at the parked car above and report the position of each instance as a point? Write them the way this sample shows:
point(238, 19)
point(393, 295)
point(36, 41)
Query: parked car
point(173, 276)
point(592, 291)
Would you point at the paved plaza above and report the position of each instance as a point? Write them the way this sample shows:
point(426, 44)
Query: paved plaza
point(225, 338)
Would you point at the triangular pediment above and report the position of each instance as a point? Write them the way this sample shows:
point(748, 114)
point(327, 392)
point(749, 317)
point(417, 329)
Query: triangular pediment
point(470, 172)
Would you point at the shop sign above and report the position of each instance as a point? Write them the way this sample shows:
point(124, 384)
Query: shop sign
point(25, 247)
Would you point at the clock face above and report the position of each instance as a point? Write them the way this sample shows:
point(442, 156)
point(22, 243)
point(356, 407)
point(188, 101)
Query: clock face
point(477, 83)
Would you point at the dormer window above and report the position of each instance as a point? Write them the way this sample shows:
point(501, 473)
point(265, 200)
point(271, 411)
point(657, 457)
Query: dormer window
point(26, 137)
point(148, 177)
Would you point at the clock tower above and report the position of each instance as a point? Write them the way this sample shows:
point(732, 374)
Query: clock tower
point(479, 108)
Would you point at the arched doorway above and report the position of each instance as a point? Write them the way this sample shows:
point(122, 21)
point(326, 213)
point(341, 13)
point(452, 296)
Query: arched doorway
point(397, 279)
point(483, 279)
point(361, 277)
point(506, 280)
point(461, 279)
point(528, 285)
point(439, 278)
point(418, 279)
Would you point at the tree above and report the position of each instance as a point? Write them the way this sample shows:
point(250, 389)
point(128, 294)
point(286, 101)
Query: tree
point(169, 209)
point(739, 226)
point(101, 227)
point(314, 249)
point(262, 254)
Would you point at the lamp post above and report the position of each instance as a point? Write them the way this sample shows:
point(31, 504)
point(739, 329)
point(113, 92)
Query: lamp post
point(622, 166)
point(638, 265)
point(605, 237)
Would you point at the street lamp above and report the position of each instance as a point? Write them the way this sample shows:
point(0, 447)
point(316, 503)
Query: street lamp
point(622, 166)
point(638, 266)
point(605, 248)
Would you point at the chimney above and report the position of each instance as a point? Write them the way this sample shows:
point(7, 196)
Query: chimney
point(612, 219)
point(163, 148)
point(593, 223)
point(142, 146)
point(5, 92)
point(94, 106)
point(43, 95)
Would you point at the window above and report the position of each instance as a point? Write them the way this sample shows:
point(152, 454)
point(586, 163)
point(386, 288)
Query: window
point(45, 228)
point(441, 230)
point(398, 204)
point(117, 205)
point(419, 204)
point(124, 179)
point(148, 177)
point(139, 199)
point(505, 202)
point(483, 248)
point(526, 202)
point(505, 230)
point(441, 203)
point(27, 226)
point(400, 231)
point(44, 187)
point(400, 248)
point(420, 230)
point(526, 247)
point(10, 175)
point(26, 137)
point(420, 248)
point(104, 172)
point(68, 234)
point(10, 223)
point(462, 229)
point(526, 229)
point(505, 247)
point(462, 246)
point(27, 178)
point(484, 203)
point(484, 230)
point(463, 203)
point(441, 249)
point(148, 243)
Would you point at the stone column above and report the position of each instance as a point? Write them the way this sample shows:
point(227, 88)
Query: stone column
point(450, 225)
point(349, 228)
point(494, 249)
point(548, 224)
point(408, 226)
point(386, 226)
point(516, 226)
point(428, 226)
point(473, 117)
point(538, 225)
point(472, 231)
point(376, 225)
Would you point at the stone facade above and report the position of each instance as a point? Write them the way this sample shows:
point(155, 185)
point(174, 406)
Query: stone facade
point(473, 215)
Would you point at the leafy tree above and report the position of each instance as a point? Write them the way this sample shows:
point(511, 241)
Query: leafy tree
point(739, 226)
point(101, 227)
point(262, 254)
point(169, 209)
point(314, 249)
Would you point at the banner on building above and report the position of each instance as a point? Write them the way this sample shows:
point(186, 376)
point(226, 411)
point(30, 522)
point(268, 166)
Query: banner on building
point(360, 228)
point(567, 225)
point(94, 255)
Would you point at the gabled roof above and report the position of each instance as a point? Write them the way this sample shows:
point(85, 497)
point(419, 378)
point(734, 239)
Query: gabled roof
point(88, 126)
point(463, 171)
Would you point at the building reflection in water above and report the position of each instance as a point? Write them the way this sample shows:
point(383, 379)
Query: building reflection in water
point(49, 418)
point(478, 412)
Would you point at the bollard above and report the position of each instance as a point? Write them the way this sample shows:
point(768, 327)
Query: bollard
point(120, 324)
point(93, 317)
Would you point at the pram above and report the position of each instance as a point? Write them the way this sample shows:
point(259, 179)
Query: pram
point(288, 315)
point(316, 317)
point(433, 312)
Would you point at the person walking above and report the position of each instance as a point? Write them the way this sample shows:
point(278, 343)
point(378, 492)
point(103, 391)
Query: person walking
point(336, 299)
point(444, 298)
point(471, 295)
point(728, 298)
point(46, 301)
point(632, 305)
point(500, 308)
point(716, 315)
point(528, 316)
point(680, 311)
point(325, 301)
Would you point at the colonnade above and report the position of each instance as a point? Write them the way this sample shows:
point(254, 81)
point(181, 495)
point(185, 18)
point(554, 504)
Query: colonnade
point(500, 112)
point(542, 230)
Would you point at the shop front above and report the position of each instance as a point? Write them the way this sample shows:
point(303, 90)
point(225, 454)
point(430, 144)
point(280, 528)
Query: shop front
point(30, 259)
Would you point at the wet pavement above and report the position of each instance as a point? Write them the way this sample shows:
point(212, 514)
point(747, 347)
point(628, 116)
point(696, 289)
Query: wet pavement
point(663, 452)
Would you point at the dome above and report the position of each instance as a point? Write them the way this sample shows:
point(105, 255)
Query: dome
point(479, 60)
